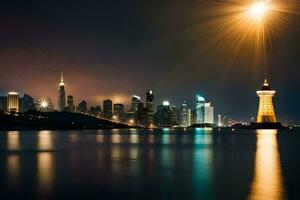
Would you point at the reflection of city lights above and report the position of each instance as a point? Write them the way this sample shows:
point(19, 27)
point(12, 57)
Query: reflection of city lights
point(45, 171)
point(268, 180)
point(13, 169)
point(13, 140)
point(45, 140)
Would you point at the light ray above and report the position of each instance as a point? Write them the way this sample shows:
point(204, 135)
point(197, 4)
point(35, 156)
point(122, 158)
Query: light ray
point(249, 27)
point(44, 105)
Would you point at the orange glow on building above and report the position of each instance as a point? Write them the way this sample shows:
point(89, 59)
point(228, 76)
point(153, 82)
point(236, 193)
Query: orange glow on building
point(266, 113)
point(13, 102)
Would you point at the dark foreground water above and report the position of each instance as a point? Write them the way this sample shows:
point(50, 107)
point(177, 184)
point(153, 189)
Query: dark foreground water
point(140, 164)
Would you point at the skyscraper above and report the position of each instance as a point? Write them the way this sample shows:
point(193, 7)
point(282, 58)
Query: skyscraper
point(96, 111)
point(150, 107)
point(70, 103)
point(174, 116)
point(208, 113)
point(27, 103)
point(142, 114)
point(107, 109)
point(119, 112)
point(184, 115)
point(13, 102)
point(200, 111)
point(135, 100)
point(266, 113)
point(220, 123)
point(163, 115)
point(61, 94)
point(166, 120)
point(82, 107)
point(3, 104)
point(189, 117)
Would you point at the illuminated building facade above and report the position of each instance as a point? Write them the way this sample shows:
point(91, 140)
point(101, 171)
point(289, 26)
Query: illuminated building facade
point(189, 117)
point(184, 115)
point(135, 100)
point(200, 109)
point(13, 102)
point(107, 109)
point(174, 116)
point(61, 94)
point(150, 107)
point(266, 113)
point(208, 113)
point(220, 123)
point(142, 115)
point(119, 112)
point(70, 104)
point(163, 115)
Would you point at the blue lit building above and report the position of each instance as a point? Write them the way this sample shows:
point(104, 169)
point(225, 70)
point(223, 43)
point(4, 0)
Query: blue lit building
point(200, 109)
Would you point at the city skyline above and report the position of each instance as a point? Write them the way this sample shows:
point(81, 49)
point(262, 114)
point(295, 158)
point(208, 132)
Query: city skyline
point(170, 56)
point(159, 99)
point(64, 106)
point(142, 111)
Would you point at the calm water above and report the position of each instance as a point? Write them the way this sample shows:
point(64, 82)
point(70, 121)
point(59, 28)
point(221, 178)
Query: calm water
point(140, 164)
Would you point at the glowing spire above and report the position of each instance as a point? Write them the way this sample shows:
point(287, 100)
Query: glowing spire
point(61, 79)
point(266, 82)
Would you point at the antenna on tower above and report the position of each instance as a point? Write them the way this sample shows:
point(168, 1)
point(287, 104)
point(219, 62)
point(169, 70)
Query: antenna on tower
point(61, 79)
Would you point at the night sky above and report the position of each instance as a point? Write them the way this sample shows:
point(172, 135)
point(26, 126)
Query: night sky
point(113, 49)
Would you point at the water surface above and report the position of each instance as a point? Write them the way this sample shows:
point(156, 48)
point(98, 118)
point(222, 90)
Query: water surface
point(150, 164)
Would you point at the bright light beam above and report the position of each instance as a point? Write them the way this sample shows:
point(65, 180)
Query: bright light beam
point(258, 10)
point(245, 28)
point(44, 105)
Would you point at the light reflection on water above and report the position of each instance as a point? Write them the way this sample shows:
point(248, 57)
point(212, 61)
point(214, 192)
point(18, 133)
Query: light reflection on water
point(138, 159)
point(45, 170)
point(134, 138)
point(45, 140)
point(202, 164)
point(13, 169)
point(115, 138)
point(13, 160)
point(45, 162)
point(268, 180)
point(13, 142)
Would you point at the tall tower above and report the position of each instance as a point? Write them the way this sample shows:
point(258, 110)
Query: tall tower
point(107, 109)
point(150, 107)
point(266, 113)
point(135, 102)
point(208, 113)
point(200, 111)
point(184, 115)
point(13, 102)
point(61, 94)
